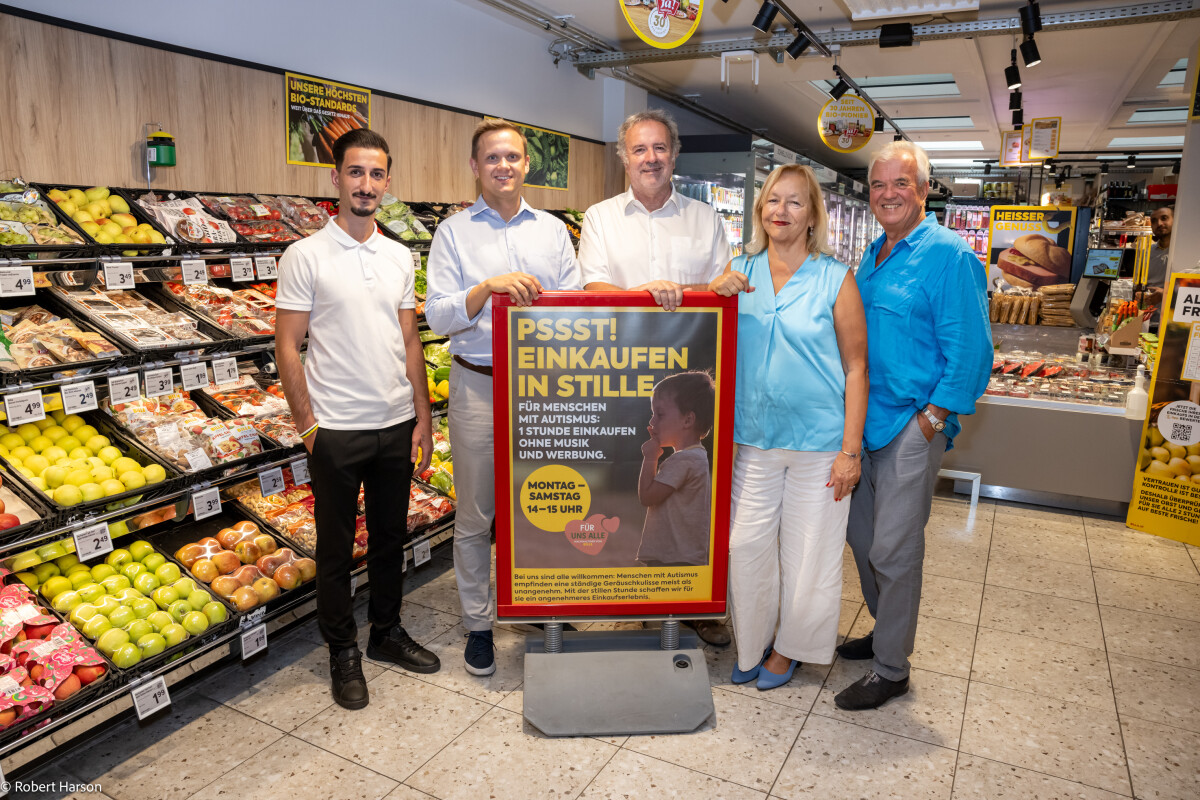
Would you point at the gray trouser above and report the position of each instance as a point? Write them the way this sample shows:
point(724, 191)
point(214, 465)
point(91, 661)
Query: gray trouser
point(886, 531)
point(475, 486)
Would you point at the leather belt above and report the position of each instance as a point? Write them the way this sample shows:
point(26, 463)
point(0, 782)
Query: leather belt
point(462, 362)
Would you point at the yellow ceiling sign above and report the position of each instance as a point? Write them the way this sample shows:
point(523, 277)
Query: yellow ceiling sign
point(846, 124)
point(664, 24)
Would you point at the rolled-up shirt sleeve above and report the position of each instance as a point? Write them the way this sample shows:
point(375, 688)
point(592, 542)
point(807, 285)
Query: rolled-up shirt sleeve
point(446, 301)
point(593, 255)
point(964, 335)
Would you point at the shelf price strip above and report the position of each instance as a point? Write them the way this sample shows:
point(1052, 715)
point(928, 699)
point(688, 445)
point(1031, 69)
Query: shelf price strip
point(79, 397)
point(23, 407)
point(122, 388)
point(118, 275)
point(241, 269)
point(206, 503)
point(225, 371)
point(267, 268)
point(92, 541)
point(16, 281)
point(270, 481)
point(193, 376)
point(194, 272)
point(150, 697)
point(254, 641)
point(300, 472)
point(159, 382)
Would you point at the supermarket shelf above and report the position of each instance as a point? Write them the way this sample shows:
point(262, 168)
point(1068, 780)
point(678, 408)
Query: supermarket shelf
point(1059, 405)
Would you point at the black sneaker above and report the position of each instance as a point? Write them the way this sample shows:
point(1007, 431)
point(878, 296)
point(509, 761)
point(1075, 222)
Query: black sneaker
point(349, 685)
point(858, 649)
point(479, 656)
point(399, 648)
point(870, 691)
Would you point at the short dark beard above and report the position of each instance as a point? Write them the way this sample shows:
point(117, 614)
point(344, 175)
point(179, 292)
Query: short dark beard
point(361, 212)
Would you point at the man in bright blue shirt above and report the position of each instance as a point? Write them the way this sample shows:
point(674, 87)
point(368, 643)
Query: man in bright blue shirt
point(929, 355)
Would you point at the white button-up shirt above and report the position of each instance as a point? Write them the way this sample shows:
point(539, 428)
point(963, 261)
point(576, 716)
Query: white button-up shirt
point(477, 244)
point(624, 244)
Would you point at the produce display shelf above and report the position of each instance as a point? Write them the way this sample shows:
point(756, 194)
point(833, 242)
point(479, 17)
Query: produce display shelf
point(1059, 405)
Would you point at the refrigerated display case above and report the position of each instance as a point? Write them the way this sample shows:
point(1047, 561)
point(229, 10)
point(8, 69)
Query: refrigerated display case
point(852, 226)
point(720, 171)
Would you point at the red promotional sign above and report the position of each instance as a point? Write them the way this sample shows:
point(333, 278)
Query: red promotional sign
point(614, 449)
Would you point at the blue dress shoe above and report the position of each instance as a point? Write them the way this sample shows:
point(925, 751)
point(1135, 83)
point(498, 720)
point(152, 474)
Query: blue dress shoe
point(771, 680)
point(750, 674)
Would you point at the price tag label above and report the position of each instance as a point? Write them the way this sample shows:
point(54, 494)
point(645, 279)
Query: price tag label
point(241, 269)
point(123, 388)
point(254, 641)
point(193, 376)
point(267, 268)
point(159, 382)
point(16, 281)
point(206, 503)
point(118, 275)
point(421, 553)
point(92, 541)
point(194, 272)
point(271, 481)
point(197, 459)
point(150, 697)
point(416, 257)
point(300, 472)
point(225, 371)
point(24, 407)
point(77, 397)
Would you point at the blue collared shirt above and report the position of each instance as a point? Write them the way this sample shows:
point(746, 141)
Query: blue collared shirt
point(477, 244)
point(928, 335)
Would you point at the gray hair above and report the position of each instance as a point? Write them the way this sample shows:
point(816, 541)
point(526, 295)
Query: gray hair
point(894, 150)
point(649, 115)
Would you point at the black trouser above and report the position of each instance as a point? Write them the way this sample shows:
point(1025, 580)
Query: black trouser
point(340, 462)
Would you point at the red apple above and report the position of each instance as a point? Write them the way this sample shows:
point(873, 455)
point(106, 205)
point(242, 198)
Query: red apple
point(67, 688)
point(88, 674)
point(40, 631)
point(8, 520)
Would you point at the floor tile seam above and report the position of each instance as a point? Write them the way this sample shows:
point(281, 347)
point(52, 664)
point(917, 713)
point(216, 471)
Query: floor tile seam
point(1099, 650)
point(327, 751)
point(1044, 696)
point(926, 571)
point(454, 739)
point(1113, 684)
point(1151, 575)
point(1045, 594)
point(1127, 715)
point(816, 713)
point(1040, 772)
point(700, 771)
point(1158, 663)
point(616, 751)
point(1148, 613)
point(238, 765)
point(425, 678)
point(966, 696)
point(1040, 557)
point(791, 749)
point(1133, 537)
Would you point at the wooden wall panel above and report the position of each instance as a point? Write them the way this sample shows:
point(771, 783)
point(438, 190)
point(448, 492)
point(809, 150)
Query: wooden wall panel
point(73, 106)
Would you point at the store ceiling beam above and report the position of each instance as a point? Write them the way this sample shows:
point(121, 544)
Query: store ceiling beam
point(1001, 26)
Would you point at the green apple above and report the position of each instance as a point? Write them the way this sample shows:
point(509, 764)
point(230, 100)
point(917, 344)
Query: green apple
point(174, 634)
point(179, 609)
point(153, 561)
point(127, 596)
point(110, 640)
point(54, 586)
point(31, 581)
point(81, 614)
point(167, 573)
point(195, 622)
point(185, 586)
point(96, 626)
point(122, 617)
point(152, 644)
point(66, 602)
point(118, 558)
point(81, 579)
point(164, 596)
point(160, 620)
point(67, 562)
point(146, 583)
point(126, 656)
point(91, 592)
point(102, 571)
point(115, 583)
point(132, 570)
point(143, 607)
point(107, 604)
point(138, 628)
point(140, 549)
point(215, 612)
point(199, 599)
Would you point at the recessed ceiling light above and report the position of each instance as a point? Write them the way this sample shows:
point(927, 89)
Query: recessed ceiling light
point(1128, 142)
point(935, 123)
point(952, 145)
point(1158, 116)
point(1175, 75)
point(881, 9)
point(895, 87)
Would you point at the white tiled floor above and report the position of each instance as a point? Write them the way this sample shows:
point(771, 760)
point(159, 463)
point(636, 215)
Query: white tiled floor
point(1058, 656)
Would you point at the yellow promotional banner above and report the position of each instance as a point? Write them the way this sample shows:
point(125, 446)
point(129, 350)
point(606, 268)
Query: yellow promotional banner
point(1010, 149)
point(1166, 485)
point(1044, 138)
point(846, 124)
point(317, 113)
point(1031, 246)
point(664, 24)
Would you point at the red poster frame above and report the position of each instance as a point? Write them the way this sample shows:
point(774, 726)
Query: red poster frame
point(722, 464)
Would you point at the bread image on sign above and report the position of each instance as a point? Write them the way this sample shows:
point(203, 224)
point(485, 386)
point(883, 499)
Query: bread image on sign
point(1035, 260)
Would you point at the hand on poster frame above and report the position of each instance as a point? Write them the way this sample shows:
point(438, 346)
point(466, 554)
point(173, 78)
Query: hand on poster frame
point(843, 477)
point(521, 287)
point(729, 283)
point(667, 294)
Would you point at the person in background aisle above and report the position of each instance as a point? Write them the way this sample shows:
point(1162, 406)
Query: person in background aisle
point(361, 402)
point(651, 238)
point(502, 245)
point(1161, 222)
point(801, 401)
point(929, 356)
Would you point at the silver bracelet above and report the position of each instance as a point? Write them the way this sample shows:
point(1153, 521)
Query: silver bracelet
point(852, 455)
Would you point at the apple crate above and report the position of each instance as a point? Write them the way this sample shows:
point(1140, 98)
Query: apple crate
point(85, 247)
point(172, 541)
point(150, 248)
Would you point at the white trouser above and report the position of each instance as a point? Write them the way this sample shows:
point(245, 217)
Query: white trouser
point(475, 487)
point(786, 539)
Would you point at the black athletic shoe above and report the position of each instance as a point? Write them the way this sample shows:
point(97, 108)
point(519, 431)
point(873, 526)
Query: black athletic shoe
point(479, 656)
point(858, 649)
point(349, 685)
point(870, 691)
point(399, 648)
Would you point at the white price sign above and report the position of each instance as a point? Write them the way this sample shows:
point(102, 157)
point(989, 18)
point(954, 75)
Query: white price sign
point(118, 275)
point(159, 382)
point(271, 481)
point(300, 472)
point(78, 397)
point(193, 376)
point(254, 641)
point(123, 388)
point(267, 268)
point(151, 696)
point(92, 541)
point(241, 269)
point(194, 272)
point(225, 371)
point(24, 407)
point(206, 503)
point(420, 553)
point(16, 281)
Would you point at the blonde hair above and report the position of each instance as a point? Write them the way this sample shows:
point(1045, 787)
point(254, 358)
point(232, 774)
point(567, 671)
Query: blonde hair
point(489, 124)
point(818, 217)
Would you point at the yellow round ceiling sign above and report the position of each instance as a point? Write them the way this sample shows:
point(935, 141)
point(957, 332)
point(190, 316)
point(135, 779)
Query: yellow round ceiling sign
point(846, 124)
point(664, 24)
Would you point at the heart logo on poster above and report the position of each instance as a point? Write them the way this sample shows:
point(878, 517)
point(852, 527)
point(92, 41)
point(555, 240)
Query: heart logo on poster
point(589, 536)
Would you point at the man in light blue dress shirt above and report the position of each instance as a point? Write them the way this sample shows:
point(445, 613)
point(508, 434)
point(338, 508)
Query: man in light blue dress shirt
point(929, 353)
point(502, 245)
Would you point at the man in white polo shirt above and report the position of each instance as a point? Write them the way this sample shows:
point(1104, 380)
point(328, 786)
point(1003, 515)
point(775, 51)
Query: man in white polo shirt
point(502, 245)
point(653, 238)
point(361, 403)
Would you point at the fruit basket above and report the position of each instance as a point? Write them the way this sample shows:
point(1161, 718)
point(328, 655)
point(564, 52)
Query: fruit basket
point(46, 231)
point(47, 339)
point(120, 213)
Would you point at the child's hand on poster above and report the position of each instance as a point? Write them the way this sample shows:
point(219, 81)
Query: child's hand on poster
point(651, 448)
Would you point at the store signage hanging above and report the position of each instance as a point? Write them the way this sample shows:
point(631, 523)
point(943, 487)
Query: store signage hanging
point(1010, 150)
point(573, 388)
point(1031, 246)
point(664, 24)
point(317, 113)
point(1044, 138)
point(846, 124)
point(1166, 485)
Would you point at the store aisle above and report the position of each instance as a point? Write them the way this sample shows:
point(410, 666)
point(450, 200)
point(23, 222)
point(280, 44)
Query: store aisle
point(1058, 657)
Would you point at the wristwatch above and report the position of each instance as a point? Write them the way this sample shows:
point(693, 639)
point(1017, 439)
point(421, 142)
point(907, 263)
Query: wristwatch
point(938, 425)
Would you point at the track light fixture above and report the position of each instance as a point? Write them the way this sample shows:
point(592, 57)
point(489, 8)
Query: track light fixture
point(1018, 116)
point(766, 16)
point(1029, 52)
point(1031, 18)
point(1014, 100)
point(839, 89)
point(1012, 75)
point(798, 45)
point(898, 138)
point(987, 168)
point(1174, 170)
point(1131, 162)
point(879, 124)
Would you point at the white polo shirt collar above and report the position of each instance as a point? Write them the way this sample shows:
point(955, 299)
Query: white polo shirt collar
point(346, 240)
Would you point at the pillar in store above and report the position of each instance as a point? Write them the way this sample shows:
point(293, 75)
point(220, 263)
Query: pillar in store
point(1185, 239)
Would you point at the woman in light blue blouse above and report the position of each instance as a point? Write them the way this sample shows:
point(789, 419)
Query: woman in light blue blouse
point(800, 404)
